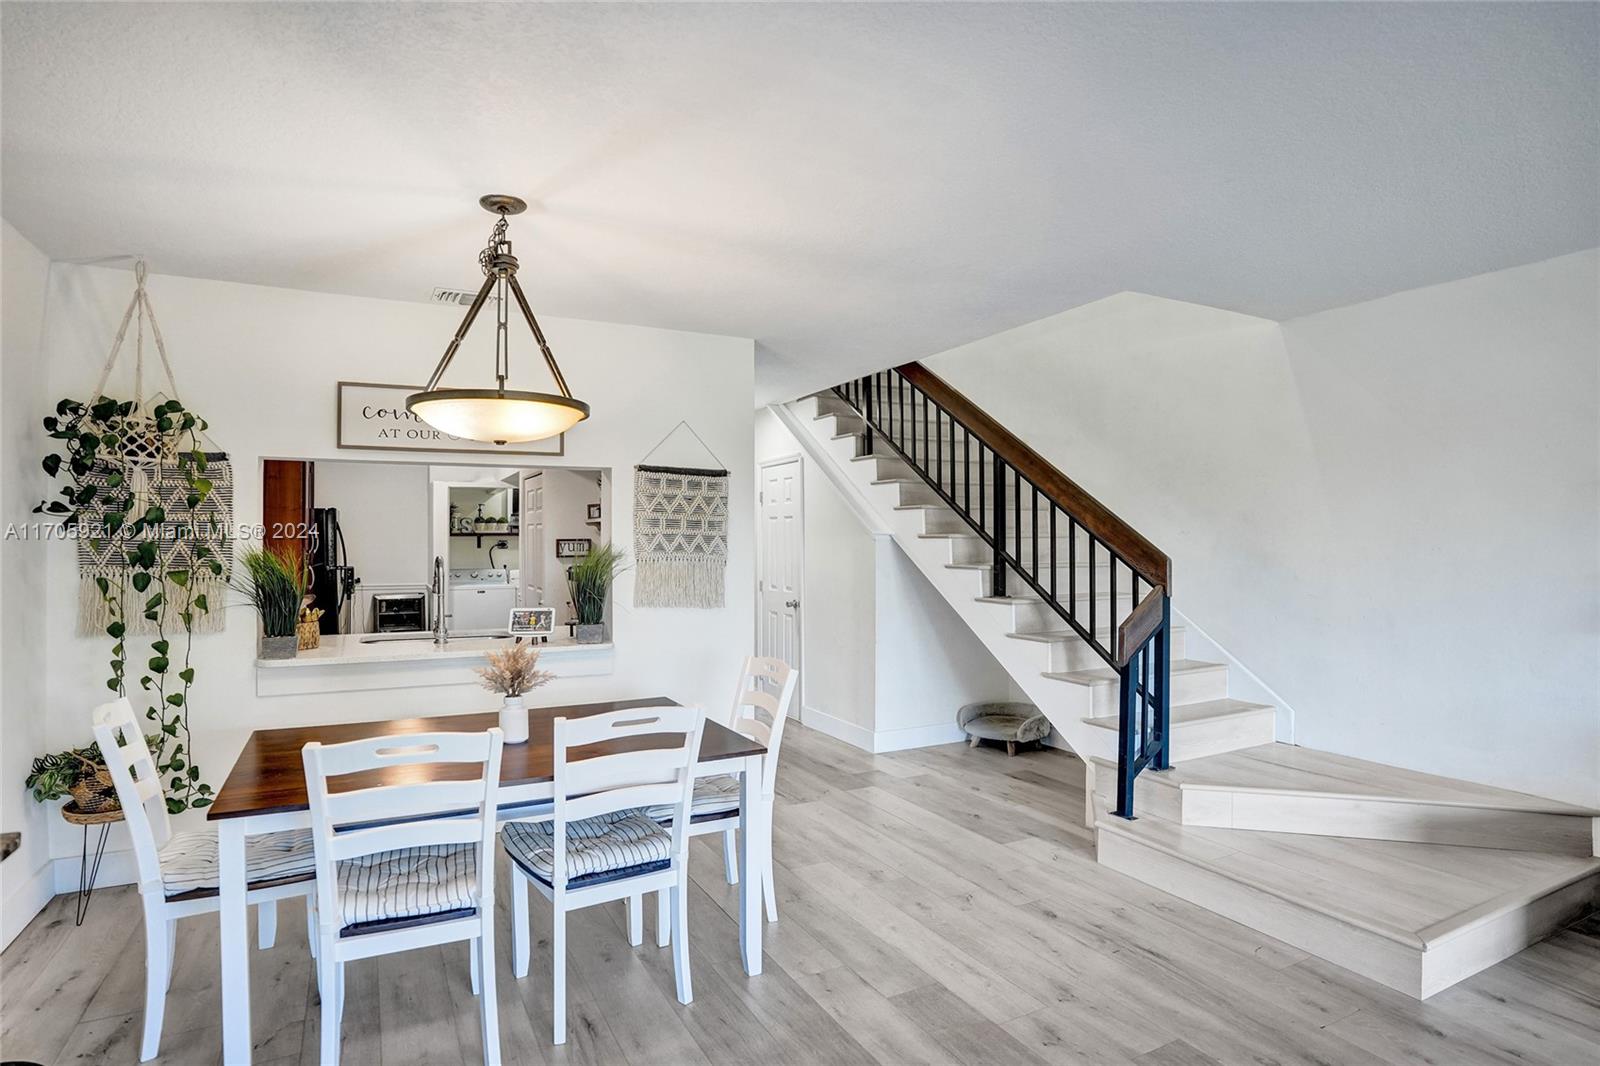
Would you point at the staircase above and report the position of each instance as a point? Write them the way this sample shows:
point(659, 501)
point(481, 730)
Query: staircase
point(1412, 880)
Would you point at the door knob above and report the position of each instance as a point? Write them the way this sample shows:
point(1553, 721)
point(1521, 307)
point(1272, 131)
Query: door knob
point(791, 603)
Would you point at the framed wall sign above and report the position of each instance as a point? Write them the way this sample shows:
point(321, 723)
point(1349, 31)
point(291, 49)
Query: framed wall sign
point(594, 512)
point(532, 621)
point(575, 548)
point(374, 417)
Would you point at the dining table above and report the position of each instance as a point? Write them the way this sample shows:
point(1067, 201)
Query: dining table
point(265, 792)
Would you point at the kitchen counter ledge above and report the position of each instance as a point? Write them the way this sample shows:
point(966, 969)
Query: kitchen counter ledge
point(344, 664)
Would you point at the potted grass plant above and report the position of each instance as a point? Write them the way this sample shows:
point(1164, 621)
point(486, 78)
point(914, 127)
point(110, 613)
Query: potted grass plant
point(589, 582)
point(274, 584)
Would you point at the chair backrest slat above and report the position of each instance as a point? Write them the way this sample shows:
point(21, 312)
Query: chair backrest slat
point(138, 783)
point(415, 813)
point(766, 688)
point(656, 766)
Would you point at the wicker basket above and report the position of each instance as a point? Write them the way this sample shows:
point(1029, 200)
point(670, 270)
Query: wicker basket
point(95, 793)
point(310, 634)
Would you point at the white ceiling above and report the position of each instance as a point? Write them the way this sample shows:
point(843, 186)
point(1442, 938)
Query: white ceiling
point(850, 185)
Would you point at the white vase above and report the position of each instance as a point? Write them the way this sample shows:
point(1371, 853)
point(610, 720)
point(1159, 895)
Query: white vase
point(514, 720)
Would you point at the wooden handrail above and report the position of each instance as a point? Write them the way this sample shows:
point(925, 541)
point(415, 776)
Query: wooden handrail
point(1139, 626)
point(1145, 558)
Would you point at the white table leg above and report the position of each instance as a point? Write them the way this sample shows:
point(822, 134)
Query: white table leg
point(234, 914)
point(750, 866)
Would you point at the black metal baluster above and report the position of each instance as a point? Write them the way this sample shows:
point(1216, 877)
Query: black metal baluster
point(1016, 533)
point(866, 390)
point(966, 465)
point(1125, 752)
point(1163, 683)
point(938, 451)
point(997, 572)
point(1053, 597)
point(1072, 567)
point(1035, 533)
point(1144, 704)
point(1112, 624)
point(1094, 635)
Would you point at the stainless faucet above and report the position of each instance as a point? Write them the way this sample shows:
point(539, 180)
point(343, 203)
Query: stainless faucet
point(441, 632)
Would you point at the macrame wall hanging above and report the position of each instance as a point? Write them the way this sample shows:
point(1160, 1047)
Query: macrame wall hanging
point(153, 464)
point(680, 531)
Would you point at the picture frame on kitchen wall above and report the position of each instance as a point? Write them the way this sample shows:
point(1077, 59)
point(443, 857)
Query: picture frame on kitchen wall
point(575, 548)
point(594, 512)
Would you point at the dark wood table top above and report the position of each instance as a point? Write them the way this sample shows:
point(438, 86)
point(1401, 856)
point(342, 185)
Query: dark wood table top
point(269, 776)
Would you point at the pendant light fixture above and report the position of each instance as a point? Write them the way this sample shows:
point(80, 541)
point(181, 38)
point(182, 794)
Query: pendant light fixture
point(498, 414)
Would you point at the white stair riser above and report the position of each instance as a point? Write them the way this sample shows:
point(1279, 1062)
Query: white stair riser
point(1188, 686)
point(1153, 797)
point(1389, 819)
point(1076, 654)
point(1035, 616)
point(1191, 740)
point(971, 549)
point(1418, 971)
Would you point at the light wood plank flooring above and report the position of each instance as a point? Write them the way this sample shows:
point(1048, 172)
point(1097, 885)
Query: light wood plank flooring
point(940, 905)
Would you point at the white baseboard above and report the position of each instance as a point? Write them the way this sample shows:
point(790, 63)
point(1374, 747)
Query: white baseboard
point(116, 868)
point(855, 735)
point(859, 736)
point(25, 900)
point(922, 736)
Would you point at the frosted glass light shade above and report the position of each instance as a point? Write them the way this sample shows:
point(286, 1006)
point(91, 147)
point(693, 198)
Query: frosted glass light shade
point(498, 417)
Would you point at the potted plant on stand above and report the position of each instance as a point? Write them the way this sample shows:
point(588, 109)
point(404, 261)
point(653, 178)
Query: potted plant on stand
point(512, 673)
point(275, 585)
point(589, 581)
point(77, 772)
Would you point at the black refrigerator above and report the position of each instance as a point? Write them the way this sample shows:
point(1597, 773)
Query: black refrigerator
point(333, 579)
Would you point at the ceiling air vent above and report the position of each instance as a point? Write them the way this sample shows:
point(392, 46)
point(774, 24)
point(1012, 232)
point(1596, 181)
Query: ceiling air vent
point(452, 296)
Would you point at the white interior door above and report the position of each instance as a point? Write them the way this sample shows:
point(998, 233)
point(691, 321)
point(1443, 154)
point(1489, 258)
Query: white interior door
point(532, 540)
point(782, 556)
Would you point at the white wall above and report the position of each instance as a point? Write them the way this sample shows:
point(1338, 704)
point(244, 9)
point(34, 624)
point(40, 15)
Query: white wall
point(261, 365)
point(1388, 512)
point(25, 885)
point(837, 610)
point(383, 511)
point(887, 661)
point(567, 495)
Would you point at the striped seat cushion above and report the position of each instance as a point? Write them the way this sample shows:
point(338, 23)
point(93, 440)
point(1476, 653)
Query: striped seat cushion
point(189, 859)
point(606, 847)
point(714, 795)
point(408, 883)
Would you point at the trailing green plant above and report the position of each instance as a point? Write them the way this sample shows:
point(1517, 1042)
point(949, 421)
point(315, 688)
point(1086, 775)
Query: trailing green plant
point(275, 585)
point(97, 439)
point(589, 582)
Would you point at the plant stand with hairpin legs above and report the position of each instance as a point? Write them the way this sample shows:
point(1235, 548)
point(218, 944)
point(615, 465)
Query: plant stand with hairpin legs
point(89, 871)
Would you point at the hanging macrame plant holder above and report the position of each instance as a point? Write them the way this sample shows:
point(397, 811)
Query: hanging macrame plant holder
point(147, 459)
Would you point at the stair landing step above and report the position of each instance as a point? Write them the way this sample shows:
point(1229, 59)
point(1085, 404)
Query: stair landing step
point(1415, 917)
point(1283, 788)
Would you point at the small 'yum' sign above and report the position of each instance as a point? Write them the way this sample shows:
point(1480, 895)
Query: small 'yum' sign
point(374, 417)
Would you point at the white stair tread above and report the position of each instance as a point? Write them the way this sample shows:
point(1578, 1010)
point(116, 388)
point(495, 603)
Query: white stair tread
point(1415, 894)
point(1203, 711)
point(1107, 676)
point(1285, 768)
point(1009, 601)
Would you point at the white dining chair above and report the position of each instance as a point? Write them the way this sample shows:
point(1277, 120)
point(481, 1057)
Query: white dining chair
point(600, 845)
point(178, 871)
point(760, 709)
point(406, 865)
